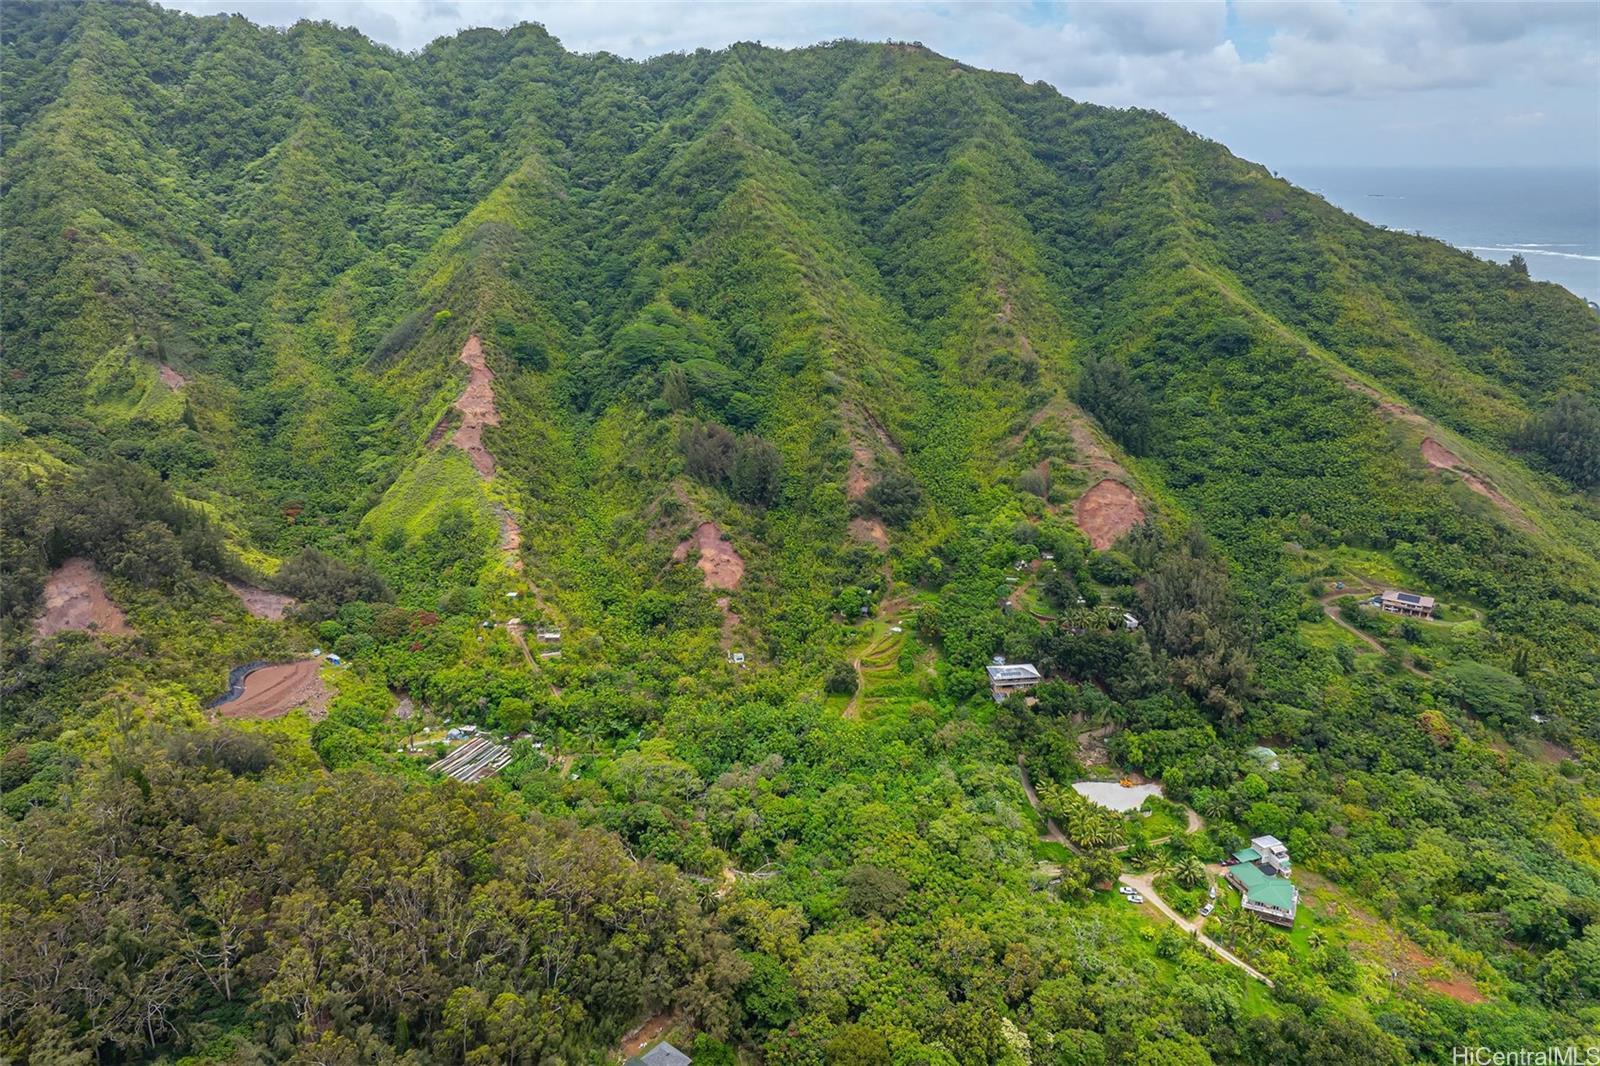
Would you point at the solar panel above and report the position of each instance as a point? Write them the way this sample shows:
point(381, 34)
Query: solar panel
point(1409, 597)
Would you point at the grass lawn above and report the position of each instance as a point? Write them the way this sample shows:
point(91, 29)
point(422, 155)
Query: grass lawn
point(1165, 819)
point(1050, 851)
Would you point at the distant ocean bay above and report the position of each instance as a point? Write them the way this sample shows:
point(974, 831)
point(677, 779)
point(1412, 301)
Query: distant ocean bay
point(1551, 216)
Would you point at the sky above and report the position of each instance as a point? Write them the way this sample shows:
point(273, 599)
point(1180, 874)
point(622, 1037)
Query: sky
point(1284, 84)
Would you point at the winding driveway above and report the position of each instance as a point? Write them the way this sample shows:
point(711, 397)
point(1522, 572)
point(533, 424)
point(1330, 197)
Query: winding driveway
point(1330, 609)
point(1144, 883)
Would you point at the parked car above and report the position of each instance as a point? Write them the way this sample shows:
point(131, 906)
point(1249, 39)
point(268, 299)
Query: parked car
point(1205, 912)
point(1126, 890)
point(1213, 891)
point(1135, 898)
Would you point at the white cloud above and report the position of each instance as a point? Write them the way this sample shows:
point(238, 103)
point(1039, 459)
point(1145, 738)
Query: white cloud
point(1370, 64)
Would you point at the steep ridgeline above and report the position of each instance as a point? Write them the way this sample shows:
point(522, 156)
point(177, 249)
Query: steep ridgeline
point(688, 436)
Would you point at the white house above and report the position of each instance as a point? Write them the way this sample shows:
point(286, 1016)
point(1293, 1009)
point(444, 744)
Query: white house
point(1274, 854)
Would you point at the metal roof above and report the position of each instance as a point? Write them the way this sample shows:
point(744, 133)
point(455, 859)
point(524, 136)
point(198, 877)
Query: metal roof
point(664, 1054)
point(1014, 672)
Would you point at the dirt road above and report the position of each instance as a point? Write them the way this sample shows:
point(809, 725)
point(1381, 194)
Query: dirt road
point(1331, 609)
point(1052, 830)
point(1145, 884)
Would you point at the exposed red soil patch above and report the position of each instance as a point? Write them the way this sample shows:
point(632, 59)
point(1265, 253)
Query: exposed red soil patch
point(1460, 990)
point(869, 531)
point(730, 621)
point(859, 479)
point(274, 691)
point(1398, 411)
point(1438, 456)
point(476, 404)
point(718, 561)
point(261, 603)
point(510, 537)
point(646, 1034)
point(75, 598)
point(438, 432)
point(1090, 450)
point(1107, 511)
point(1552, 752)
point(1441, 458)
point(171, 378)
point(868, 440)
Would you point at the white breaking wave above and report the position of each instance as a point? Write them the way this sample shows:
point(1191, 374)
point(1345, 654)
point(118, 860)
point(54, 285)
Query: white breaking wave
point(1531, 250)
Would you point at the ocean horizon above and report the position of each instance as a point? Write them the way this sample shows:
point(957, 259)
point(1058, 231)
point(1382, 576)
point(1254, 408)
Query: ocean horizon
point(1548, 215)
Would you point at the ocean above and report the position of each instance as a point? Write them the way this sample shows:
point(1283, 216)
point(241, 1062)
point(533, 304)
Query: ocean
point(1549, 215)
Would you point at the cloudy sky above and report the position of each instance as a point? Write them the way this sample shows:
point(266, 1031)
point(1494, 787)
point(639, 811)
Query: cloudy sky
point(1287, 84)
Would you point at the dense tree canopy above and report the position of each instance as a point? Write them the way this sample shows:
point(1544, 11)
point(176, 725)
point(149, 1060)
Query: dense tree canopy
point(691, 434)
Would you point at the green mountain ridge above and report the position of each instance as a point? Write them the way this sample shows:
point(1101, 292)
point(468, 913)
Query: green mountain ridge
point(883, 320)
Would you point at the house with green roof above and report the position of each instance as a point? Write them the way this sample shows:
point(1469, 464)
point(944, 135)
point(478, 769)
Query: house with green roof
point(1261, 874)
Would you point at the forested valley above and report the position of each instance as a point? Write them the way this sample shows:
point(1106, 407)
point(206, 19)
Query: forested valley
point(509, 556)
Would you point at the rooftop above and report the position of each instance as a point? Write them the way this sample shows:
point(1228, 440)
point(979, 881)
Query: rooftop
point(1014, 672)
point(1411, 598)
point(1276, 892)
point(663, 1054)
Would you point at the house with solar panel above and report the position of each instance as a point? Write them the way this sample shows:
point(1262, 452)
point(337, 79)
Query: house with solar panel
point(1261, 875)
point(1407, 603)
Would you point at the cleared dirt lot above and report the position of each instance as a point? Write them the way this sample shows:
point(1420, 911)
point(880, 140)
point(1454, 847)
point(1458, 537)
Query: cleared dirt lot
point(273, 691)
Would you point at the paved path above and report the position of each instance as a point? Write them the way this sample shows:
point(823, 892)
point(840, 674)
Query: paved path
point(1145, 883)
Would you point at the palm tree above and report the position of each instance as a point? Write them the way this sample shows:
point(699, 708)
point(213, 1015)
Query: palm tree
point(1227, 922)
point(1191, 872)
